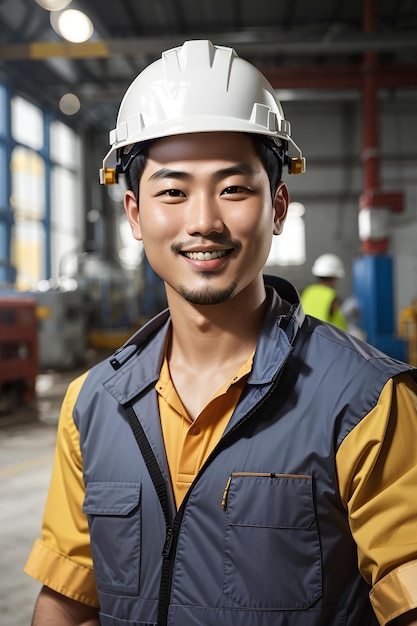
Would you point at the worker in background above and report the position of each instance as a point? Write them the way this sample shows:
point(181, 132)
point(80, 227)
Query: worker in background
point(236, 462)
point(321, 299)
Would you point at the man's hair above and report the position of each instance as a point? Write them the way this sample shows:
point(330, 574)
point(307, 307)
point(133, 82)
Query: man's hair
point(270, 156)
point(134, 172)
point(272, 160)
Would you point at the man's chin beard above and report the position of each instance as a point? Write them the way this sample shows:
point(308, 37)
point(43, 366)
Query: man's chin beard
point(208, 296)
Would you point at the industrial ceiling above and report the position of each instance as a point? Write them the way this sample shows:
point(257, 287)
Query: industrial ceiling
point(313, 45)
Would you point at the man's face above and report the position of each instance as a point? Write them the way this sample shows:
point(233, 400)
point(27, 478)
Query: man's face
point(205, 214)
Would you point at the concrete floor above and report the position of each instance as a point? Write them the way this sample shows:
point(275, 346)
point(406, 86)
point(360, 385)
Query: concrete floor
point(27, 440)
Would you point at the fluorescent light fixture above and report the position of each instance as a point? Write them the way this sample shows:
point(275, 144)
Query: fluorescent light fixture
point(73, 25)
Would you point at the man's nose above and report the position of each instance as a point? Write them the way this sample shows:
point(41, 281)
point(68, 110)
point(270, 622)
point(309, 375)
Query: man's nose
point(204, 216)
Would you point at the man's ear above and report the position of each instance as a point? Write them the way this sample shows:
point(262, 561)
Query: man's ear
point(281, 202)
point(132, 212)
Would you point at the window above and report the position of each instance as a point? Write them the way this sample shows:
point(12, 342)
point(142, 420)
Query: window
point(66, 220)
point(28, 205)
point(66, 208)
point(131, 250)
point(289, 247)
point(64, 145)
point(27, 199)
point(45, 196)
point(28, 174)
point(28, 253)
point(27, 123)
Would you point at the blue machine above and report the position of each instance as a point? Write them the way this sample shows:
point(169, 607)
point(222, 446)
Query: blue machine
point(373, 288)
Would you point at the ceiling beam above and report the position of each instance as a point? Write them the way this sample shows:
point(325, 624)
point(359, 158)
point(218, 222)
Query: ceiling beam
point(389, 75)
point(245, 43)
point(44, 50)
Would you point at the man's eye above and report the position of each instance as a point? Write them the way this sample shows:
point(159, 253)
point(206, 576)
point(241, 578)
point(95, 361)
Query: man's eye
point(173, 193)
point(235, 189)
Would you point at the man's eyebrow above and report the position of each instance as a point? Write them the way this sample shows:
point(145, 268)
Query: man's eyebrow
point(167, 173)
point(239, 169)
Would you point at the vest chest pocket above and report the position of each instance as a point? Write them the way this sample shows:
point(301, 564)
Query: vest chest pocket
point(272, 549)
point(114, 519)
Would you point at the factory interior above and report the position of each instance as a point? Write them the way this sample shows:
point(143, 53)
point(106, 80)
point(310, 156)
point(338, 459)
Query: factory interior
point(74, 284)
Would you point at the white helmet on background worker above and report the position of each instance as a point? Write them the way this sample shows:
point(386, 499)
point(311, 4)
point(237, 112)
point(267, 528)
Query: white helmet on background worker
point(197, 87)
point(328, 266)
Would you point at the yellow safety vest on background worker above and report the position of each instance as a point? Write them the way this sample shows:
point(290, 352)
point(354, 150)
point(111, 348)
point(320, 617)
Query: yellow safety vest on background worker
point(317, 300)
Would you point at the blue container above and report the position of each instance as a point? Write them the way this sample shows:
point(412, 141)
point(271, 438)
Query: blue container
point(373, 288)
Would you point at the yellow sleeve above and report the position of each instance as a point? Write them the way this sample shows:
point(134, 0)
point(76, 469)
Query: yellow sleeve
point(377, 470)
point(62, 559)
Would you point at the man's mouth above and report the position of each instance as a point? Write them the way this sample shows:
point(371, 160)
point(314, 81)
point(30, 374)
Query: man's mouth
point(206, 256)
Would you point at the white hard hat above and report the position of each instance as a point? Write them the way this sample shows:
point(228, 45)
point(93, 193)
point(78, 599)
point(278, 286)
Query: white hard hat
point(328, 266)
point(198, 87)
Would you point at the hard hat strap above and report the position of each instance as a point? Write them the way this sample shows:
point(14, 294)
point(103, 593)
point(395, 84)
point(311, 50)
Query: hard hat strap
point(127, 154)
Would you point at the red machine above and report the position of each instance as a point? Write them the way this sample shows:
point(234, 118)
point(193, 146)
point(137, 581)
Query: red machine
point(19, 359)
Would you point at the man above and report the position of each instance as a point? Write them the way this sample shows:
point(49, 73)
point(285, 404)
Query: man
point(235, 463)
point(321, 299)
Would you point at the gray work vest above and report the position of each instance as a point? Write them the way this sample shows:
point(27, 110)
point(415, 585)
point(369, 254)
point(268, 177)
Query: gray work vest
point(262, 538)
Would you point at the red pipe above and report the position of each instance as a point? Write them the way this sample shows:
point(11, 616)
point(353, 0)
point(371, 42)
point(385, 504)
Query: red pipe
point(370, 154)
point(370, 145)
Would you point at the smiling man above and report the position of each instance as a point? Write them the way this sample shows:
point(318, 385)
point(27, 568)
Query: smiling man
point(207, 215)
point(235, 462)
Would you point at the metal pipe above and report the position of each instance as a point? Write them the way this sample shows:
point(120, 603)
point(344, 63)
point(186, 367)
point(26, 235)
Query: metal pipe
point(370, 153)
point(374, 217)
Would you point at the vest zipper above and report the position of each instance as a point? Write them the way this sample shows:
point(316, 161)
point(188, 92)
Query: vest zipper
point(169, 560)
point(168, 543)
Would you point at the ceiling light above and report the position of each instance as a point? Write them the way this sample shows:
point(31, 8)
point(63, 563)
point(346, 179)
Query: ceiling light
point(53, 5)
point(69, 104)
point(74, 26)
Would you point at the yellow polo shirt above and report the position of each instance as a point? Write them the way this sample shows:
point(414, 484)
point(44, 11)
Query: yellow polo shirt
point(189, 442)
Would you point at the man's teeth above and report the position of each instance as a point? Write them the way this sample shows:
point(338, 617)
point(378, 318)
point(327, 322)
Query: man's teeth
point(206, 256)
